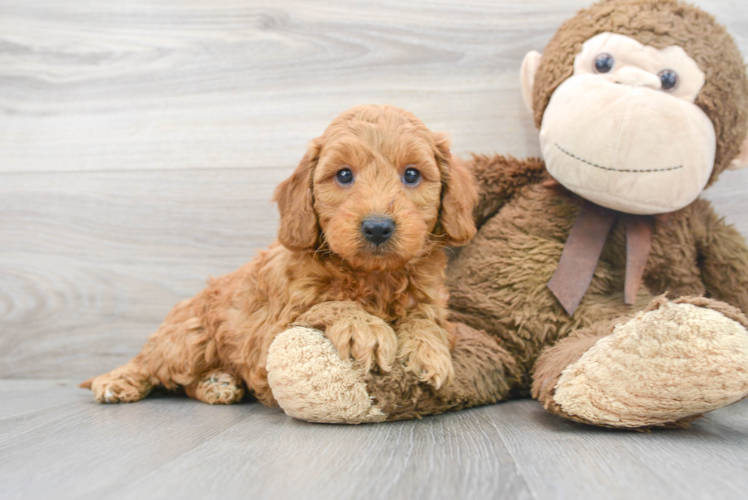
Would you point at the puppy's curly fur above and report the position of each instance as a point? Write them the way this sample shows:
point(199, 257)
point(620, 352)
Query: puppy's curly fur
point(376, 302)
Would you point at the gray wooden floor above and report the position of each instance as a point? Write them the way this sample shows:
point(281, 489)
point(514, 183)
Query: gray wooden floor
point(140, 143)
point(55, 442)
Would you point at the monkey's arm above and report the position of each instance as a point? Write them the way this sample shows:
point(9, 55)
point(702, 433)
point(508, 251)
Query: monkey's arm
point(498, 178)
point(724, 260)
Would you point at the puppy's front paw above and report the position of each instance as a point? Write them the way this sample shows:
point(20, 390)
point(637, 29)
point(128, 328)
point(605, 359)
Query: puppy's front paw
point(430, 360)
point(366, 338)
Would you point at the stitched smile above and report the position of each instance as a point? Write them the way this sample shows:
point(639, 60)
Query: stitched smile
point(616, 169)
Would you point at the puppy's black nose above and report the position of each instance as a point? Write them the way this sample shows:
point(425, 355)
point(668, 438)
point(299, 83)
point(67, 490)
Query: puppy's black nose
point(378, 229)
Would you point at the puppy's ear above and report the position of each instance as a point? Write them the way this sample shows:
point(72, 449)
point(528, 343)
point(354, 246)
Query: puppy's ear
point(299, 229)
point(459, 195)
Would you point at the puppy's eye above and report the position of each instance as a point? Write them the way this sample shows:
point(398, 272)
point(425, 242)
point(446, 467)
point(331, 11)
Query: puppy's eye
point(344, 176)
point(669, 79)
point(411, 176)
point(604, 63)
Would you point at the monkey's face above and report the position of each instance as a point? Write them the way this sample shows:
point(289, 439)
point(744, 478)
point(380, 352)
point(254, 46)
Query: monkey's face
point(623, 131)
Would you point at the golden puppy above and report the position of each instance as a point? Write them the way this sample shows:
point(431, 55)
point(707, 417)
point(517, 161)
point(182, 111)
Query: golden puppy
point(359, 254)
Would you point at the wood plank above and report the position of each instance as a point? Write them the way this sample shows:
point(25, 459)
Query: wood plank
point(16, 395)
point(451, 456)
point(29, 404)
point(177, 448)
point(91, 263)
point(235, 84)
point(83, 449)
point(562, 459)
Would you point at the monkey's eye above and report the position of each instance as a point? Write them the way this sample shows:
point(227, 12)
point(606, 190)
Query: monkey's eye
point(344, 176)
point(411, 176)
point(669, 79)
point(604, 63)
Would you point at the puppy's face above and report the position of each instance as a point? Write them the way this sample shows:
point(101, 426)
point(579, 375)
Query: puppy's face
point(377, 190)
point(383, 191)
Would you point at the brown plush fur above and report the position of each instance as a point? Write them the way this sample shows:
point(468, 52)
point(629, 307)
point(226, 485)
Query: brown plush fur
point(375, 303)
point(484, 373)
point(498, 283)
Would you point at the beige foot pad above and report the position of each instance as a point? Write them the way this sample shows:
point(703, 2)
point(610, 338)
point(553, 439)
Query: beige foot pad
point(662, 366)
point(311, 382)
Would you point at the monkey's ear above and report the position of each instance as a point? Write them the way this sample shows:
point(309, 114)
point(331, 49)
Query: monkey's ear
point(742, 160)
point(299, 229)
point(527, 76)
point(459, 195)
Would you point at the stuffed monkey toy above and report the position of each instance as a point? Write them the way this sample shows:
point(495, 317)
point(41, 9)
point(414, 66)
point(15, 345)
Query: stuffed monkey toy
point(599, 283)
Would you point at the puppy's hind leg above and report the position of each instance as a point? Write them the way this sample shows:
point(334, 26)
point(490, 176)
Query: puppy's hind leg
point(126, 384)
point(216, 388)
point(177, 354)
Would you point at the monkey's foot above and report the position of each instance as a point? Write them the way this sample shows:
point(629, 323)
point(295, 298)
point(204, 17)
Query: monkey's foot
point(311, 382)
point(670, 363)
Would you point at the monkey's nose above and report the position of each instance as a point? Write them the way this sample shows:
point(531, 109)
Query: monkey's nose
point(377, 229)
point(636, 77)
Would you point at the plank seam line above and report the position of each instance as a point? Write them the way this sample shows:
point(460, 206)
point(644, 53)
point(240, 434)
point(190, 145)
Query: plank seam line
point(177, 456)
point(520, 469)
point(52, 423)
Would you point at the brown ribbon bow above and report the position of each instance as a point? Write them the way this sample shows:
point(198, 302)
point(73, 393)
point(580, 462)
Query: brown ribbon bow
point(584, 246)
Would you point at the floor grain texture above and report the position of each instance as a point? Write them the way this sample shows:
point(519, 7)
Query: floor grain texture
point(62, 445)
point(140, 143)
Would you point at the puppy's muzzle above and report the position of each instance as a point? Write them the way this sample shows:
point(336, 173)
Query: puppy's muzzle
point(377, 229)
